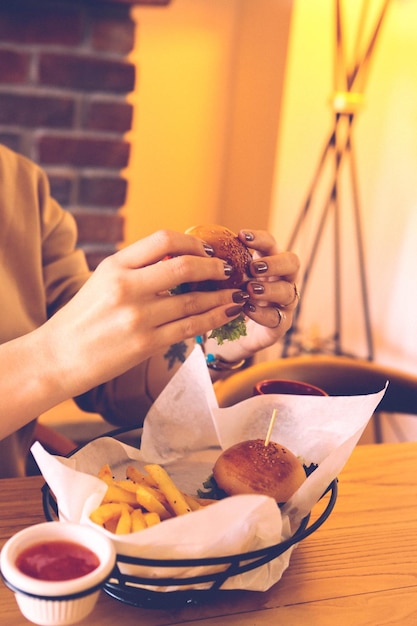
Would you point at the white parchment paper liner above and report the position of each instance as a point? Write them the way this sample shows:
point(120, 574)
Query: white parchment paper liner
point(185, 431)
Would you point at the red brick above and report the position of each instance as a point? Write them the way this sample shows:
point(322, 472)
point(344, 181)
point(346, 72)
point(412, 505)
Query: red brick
point(61, 188)
point(108, 116)
point(14, 66)
point(86, 73)
point(83, 151)
point(99, 227)
point(104, 192)
point(111, 33)
point(11, 140)
point(25, 23)
point(31, 110)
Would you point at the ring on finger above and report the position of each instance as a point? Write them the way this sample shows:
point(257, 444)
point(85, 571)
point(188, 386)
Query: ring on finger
point(280, 315)
point(296, 297)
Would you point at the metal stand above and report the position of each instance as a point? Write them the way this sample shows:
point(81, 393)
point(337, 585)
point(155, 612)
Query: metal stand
point(349, 86)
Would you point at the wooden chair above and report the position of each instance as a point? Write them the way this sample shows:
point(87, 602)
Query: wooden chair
point(53, 441)
point(337, 375)
point(15, 458)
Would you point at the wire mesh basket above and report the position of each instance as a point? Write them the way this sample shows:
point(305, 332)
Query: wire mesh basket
point(143, 591)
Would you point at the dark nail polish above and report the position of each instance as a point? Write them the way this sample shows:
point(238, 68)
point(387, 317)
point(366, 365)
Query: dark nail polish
point(257, 288)
point(208, 249)
point(260, 267)
point(228, 269)
point(250, 308)
point(249, 236)
point(233, 311)
point(240, 296)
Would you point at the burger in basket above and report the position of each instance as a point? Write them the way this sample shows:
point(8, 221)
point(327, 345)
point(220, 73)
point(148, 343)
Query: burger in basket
point(256, 466)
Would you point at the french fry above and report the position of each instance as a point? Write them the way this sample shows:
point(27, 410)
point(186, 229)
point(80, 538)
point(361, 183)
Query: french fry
point(165, 483)
point(196, 503)
point(192, 502)
point(138, 520)
point(151, 519)
point(117, 494)
point(124, 525)
point(106, 512)
point(141, 500)
point(111, 525)
point(128, 485)
point(133, 487)
point(105, 474)
point(139, 477)
point(150, 502)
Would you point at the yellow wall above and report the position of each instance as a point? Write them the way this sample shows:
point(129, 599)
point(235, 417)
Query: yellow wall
point(207, 107)
point(255, 113)
point(385, 142)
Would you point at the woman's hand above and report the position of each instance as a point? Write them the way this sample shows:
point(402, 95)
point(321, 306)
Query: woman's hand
point(125, 312)
point(273, 296)
point(122, 315)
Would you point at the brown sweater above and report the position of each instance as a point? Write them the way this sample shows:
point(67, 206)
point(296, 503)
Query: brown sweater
point(40, 270)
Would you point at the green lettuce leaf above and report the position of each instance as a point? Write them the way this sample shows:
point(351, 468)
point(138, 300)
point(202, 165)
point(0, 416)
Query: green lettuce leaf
point(231, 331)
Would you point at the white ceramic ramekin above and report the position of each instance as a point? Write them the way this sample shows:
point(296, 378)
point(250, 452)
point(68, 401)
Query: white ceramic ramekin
point(56, 603)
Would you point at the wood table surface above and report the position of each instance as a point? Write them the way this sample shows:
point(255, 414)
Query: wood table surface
point(359, 568)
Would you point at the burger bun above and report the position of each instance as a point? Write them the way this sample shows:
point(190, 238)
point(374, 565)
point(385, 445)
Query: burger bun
point(228, 247)
point(253, 467)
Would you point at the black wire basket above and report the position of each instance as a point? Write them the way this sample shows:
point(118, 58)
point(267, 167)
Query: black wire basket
point(142, 591)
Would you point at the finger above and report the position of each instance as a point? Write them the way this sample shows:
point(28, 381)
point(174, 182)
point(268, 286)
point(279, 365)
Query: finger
point(270, 316)
point(295, 298)
point(283, 265)
point(282, 293)
point(167, 309)
point(260, 240)
point(175, 271)
point(157, 246)
point(188, 327)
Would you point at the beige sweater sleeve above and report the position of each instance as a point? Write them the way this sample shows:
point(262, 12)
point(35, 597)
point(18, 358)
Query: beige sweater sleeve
point(41, 269)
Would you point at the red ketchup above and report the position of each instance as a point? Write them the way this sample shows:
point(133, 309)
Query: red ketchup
point(57, 560)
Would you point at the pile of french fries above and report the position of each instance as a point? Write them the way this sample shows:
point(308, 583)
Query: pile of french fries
point(141, 500)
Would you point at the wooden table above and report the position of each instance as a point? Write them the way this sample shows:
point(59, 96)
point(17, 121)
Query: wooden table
point(359, 568)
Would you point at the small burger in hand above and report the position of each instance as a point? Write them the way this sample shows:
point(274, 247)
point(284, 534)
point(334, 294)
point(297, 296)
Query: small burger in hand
point(228, 247)
point(253, 467)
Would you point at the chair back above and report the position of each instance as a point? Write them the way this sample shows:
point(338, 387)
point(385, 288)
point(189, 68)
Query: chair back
point(337, 375)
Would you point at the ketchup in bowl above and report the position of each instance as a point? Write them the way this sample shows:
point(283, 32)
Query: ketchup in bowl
point(56, 570)
point(57, 560)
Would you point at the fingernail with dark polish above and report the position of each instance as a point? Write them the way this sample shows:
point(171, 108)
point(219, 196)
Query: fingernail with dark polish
point(208, 249)
point(257, 288)
point(233, 311)
point(240, 296)
point(228, 269)
point(260, 267)
point(249, 236)
point(251, 308)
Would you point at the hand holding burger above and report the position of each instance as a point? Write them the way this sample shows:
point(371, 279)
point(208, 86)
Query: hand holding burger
point(228, 247)
point(268, 276)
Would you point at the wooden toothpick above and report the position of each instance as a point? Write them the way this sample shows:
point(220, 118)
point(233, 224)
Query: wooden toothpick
point(271, 425)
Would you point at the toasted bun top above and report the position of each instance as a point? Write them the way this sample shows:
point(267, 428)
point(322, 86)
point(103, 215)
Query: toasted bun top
point(252, 467)
point(227, 246)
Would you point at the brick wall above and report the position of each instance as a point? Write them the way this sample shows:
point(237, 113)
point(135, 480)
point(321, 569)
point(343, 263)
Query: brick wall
point(64, 79)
